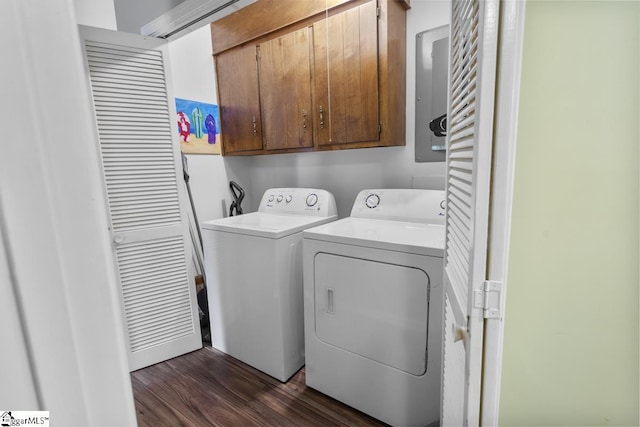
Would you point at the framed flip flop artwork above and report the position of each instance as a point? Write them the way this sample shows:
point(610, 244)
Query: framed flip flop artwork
point(198, 127)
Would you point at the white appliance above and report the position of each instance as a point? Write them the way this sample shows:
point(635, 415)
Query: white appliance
point(373, 297)
point(253, 266)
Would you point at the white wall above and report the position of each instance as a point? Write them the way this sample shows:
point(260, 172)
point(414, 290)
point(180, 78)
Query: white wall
point(572, 323)
point(54, 224)
point(95, 13)
point(346, 172)
point(194, 78)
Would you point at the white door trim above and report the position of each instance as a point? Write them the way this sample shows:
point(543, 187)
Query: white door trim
point(16, 360)
point(512, 15)
point(55, 230)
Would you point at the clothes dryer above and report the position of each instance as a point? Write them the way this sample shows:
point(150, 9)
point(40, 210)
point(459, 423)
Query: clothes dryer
point(253, 266)
point(373, 303)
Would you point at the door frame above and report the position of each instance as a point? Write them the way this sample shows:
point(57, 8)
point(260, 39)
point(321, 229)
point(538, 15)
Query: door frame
point(510, 46)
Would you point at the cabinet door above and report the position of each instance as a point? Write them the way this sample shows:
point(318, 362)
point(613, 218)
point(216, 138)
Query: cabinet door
point(239, 100)
point(285, 91)
point(346, 77)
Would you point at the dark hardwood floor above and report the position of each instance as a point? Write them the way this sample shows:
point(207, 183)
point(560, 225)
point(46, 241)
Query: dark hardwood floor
point(210, 388)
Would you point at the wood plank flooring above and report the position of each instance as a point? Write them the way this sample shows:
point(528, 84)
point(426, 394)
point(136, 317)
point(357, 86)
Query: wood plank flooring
point(210, 388)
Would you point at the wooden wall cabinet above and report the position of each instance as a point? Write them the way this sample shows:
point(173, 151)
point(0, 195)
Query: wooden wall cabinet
point(319, 79)
point(345, 64)
point(239, 100)
point(285, 91)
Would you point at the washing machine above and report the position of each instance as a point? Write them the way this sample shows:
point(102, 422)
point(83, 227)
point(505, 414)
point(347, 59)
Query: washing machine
point(253, 267)
point(373, 305)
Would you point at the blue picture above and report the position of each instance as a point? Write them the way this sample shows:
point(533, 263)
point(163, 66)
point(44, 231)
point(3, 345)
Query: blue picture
point(198, 127)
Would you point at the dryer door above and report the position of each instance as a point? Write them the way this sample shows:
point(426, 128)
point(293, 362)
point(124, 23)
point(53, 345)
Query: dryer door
point(373, 309)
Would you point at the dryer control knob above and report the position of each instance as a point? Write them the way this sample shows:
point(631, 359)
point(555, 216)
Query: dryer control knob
point(289, 198)
point(312, 199)
point(372, 201)
point(271, 198)
point(442, 204)
point(279, 199)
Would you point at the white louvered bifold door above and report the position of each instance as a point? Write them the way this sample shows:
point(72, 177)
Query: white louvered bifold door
point(135, 118)
point(472, 68)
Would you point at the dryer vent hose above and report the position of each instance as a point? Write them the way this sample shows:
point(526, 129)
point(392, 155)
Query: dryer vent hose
point(238, 194)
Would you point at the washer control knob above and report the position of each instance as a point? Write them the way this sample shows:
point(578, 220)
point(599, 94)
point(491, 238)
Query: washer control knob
point(289, 198)
point(312, 199)
point(271, 198)
point(372, 201)
point(279, 199)
point(442, 204)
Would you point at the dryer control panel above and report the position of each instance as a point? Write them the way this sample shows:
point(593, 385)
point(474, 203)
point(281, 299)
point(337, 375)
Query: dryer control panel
point(298, 201)
point(424, 206)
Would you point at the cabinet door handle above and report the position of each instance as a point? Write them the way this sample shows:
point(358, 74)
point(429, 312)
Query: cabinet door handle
point(321, 118)
point(255, 131)
point(304, 119)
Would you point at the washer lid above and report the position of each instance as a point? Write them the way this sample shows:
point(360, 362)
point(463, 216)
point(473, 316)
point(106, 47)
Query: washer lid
point(399, 236)
point(265, 225)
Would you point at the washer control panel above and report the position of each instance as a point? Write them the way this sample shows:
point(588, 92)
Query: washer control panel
point(311, 200)
point(298, 201)
point(424, 206)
